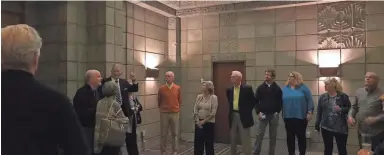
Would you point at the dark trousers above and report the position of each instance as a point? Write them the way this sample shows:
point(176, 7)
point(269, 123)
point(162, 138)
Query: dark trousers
point(110, 150)
point(131, 140)
point(296, 128)
point(204, 137)
point(376, 140)
point(341, 142)
point(89, 135)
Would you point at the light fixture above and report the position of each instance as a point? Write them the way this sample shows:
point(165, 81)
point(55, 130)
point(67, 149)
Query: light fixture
point(151, 72)
point(329, 71)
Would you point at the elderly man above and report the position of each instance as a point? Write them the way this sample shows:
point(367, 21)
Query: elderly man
point(85, 103)
point(122, 98)
point(169, 100)
point(367, 110)
point(35, 118)
point(241, 103)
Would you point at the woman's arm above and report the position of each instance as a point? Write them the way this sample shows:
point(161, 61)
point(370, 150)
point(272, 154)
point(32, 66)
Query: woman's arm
point(195, 109)
point(346, 104)
point(118, 114)
point(215, 104)
point(319, 113)
point(308, 98)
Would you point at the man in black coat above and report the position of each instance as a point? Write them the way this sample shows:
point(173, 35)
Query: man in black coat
point(85, 104)
point(36, 120)
point(241, 103)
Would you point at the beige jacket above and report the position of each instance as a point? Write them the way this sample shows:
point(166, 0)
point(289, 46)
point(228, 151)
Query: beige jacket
point(211, 112)
point(102, 110)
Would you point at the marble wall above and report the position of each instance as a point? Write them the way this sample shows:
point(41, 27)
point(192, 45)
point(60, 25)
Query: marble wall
point(295, 38)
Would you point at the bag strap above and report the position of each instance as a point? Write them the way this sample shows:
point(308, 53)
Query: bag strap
point(110, 108)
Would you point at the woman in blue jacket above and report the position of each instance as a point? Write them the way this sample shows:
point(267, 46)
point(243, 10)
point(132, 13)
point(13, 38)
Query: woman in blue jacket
point(297, 111)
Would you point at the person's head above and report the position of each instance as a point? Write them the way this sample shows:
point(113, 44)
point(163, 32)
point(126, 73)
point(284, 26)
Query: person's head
point(110, 88)
point(20, 48)
point(116, 71)
point(294, 79)
point(169, 77)
point(371, 80)
point(93, 78)
point(236, 77)
point(207, 87)
point(331, 84)
point(269, 75)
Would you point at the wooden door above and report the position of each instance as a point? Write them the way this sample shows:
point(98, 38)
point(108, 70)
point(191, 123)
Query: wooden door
point(222, 80)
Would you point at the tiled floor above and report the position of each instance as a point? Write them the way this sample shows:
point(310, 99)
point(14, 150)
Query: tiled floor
point(186, 148)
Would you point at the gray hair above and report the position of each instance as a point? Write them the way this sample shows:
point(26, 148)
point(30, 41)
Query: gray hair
point(20, 44)
point(89, 74)
point(237, 73)
point(110, 88)
point(209, 85)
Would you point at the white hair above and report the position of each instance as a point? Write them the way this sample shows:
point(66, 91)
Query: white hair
point(237, 73)
point(89, 73)
point(170, 72)
point(20, 44)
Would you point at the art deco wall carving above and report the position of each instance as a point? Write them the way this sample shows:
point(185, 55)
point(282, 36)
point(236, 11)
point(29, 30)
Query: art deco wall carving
point(341, 25)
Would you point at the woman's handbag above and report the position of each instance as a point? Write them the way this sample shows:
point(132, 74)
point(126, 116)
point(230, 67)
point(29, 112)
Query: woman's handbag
point(115, 134)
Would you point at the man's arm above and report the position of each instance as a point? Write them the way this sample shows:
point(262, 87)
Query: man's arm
point(134, 87)
point(179, 95)
point(68, 130)
point(257, 100)
point(354, 108)
point(159, 97)
point(280, 100)
point(79, 104)
point(251, 96)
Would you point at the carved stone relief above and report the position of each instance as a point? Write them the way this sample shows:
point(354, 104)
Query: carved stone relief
point(341, 25)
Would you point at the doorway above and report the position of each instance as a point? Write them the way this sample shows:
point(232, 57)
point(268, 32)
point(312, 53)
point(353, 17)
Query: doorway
point(221, 79)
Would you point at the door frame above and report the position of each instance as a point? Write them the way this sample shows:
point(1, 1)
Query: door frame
point(224, 62)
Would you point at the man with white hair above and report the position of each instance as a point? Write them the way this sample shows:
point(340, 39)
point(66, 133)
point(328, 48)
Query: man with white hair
point(241, 103)
point(85, 103)
point(169, 100)
point(35, 118)
point(367, 111)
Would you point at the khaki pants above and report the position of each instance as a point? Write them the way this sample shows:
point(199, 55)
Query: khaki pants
point(236, 130)
point(169, 120)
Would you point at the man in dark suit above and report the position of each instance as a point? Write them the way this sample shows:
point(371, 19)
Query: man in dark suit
point(241, 103)
point(35, 119)
point(123, 98)
point(124, 86)
point(85, 103)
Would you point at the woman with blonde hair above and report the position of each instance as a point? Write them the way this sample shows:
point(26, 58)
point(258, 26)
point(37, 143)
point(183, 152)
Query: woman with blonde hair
point(204, 114)
point(297, 111)
point(332, 113)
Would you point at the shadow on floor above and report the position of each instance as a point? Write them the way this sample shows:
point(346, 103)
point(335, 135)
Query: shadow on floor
point(186, 148)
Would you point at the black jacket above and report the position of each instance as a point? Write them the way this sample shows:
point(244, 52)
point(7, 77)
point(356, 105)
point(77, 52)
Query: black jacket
point(125, 87)
point(246, 105)
point(269, 99)
point(85, 103)
point(36, 119)
point(379, 149)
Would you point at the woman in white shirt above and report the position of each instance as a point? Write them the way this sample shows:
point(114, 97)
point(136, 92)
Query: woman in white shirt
point(204, 114)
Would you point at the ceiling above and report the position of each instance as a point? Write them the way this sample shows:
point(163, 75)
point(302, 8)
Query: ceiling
point(183, 4)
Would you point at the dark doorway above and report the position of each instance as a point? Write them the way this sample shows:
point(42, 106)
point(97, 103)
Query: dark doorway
point(221, 79)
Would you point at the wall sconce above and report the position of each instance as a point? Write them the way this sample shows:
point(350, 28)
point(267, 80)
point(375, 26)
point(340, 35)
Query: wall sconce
point(329, 71)
point(151, 72)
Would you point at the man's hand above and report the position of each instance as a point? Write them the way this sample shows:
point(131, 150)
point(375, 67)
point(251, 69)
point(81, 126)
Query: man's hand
point(382, 98)
point(260, 116)
point(309, 117)
point(371, 120)
point(351, 121)
point(132, 76)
